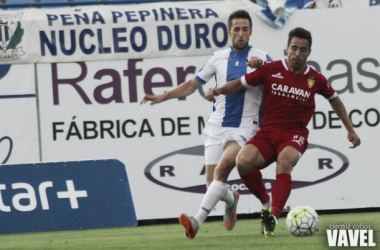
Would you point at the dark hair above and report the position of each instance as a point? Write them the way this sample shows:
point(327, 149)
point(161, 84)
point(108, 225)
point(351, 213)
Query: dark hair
point(239, 14)
point(300, 33)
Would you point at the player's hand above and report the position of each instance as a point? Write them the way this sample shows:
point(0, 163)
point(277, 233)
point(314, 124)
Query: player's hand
point(209, 95)
point(153, 99)
point(254, 62)
point(354, 139)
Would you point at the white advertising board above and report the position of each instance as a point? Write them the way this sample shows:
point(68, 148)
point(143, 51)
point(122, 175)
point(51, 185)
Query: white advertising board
point(91, 110)
point(112, 32)
point(19, 141)
point(110, 122)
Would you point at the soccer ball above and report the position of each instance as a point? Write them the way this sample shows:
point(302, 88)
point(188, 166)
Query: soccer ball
point(302, 221)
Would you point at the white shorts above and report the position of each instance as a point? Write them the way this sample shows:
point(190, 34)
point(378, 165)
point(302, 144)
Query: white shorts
point(215, 138)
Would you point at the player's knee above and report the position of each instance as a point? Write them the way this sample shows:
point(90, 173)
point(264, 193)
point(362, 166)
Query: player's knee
point(284, 166)
point(243, 163)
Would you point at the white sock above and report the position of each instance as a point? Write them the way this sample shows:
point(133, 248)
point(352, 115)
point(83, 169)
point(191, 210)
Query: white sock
point(228, 198)
point(215, 191)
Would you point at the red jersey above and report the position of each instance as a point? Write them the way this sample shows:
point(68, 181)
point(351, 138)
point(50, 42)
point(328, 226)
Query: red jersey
point(288, 98)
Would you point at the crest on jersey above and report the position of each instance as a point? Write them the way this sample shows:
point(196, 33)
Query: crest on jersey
point(310, 82)
point(11, 34)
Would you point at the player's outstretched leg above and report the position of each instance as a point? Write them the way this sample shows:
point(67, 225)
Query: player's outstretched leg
point(190, 225)
point(269, 221)
point(230, 216)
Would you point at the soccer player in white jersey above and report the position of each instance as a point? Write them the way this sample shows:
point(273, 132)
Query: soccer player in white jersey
point(233, 122)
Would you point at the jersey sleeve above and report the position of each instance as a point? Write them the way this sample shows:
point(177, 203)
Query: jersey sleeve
point(327, 90)
point(260, 54)
point(268, 58)
point(207, 71)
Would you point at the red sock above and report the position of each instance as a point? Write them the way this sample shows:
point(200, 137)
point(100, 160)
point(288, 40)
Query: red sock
point(280, 193)
point(254, 182)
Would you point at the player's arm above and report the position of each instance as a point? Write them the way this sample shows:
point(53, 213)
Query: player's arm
point(229, 88)
point(340, 110)
point(241, 83)
point(183, 90)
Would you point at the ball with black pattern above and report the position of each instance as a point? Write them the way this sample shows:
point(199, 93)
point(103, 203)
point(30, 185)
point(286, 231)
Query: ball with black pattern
point(302, 221)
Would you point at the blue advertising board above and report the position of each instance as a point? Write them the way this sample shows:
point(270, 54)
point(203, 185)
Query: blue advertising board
point(65, 196)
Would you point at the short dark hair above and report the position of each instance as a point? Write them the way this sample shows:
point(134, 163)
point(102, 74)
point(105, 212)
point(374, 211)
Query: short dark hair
point(300, 33)
point(239, 14)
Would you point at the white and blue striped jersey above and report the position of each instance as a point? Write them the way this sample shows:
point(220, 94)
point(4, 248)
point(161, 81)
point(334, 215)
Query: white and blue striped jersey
point(243, 108)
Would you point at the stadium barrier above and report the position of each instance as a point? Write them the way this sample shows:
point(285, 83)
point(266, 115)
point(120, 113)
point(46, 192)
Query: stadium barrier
point(65, 196)
point(80, 99)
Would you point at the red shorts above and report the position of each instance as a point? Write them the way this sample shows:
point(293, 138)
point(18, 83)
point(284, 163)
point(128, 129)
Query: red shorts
point(270, 142)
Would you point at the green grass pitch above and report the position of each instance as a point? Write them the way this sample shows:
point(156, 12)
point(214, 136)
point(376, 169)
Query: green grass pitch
point(213, 235)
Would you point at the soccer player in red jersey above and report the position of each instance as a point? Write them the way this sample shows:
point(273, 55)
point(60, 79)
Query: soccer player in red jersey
point(289, 89)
